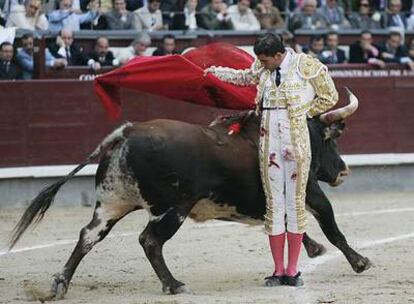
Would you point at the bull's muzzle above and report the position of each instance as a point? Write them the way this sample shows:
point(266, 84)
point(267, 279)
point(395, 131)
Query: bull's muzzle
point(339, 179)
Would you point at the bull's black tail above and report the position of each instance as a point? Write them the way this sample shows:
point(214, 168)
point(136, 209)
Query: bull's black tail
point(41, 203)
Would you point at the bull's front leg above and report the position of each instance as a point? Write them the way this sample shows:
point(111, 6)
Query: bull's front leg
point(319, 205)
point(313, 248)
point(159, 230)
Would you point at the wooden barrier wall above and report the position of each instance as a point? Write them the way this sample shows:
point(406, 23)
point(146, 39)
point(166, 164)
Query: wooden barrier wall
point(49, 122)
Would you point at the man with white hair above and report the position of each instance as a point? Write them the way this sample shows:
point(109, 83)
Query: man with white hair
point(308, 18)
point(28, 16)
point(242, 17)
point(138, 47)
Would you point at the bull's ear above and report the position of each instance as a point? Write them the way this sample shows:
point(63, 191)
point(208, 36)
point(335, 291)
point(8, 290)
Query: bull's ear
point(334, 130)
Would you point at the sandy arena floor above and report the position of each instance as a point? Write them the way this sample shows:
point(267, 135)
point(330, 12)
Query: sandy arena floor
point(221, 262)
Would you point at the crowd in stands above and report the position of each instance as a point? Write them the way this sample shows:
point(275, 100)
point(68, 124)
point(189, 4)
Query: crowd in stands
point(65, 52)
point(246, 15)
point(67, 16)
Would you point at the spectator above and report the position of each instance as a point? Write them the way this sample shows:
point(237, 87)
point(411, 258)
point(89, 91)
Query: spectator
point(308, 18)
point(335, 15)
point(363, 19)
point(332, 54)
point(119, 18)
point(215, 16)
point(101, 55)
point(242, 17)
point(150, 16)
point(268, 15)
point(8, 69)
point(188, 19)
point(393, 51)
point(138, 47)
point(394, 17)
point(71, 18)
point(364, 51)
point(167, 48)
point(28, 16)
point(25, 58)
point(65, 48)
point(317, 44)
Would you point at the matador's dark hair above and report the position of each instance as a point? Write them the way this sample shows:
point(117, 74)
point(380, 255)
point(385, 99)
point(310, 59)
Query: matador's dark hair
point(269, 44)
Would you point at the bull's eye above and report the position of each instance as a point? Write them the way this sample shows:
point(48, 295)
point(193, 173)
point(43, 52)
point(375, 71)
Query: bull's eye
point(332, 132)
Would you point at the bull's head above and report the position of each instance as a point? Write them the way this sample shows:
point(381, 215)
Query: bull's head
point(330, 166)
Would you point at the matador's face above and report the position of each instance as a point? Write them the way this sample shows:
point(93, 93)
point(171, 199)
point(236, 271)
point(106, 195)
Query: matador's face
point(271, 62)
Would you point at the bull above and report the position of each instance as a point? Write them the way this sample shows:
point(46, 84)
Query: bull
point(176, 170)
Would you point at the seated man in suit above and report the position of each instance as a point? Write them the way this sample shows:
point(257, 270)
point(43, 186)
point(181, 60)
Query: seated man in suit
point(25, 57)
point(316, 46)
point(332, 54)
point(394, 17)
point(167, 48)
point(308, 18)
point(119, 18)
point(335, 15)
point(8, 69)
point(65, 48)
point(101, 55)
point(215, 16)
point(393, 51)
point(365, 51)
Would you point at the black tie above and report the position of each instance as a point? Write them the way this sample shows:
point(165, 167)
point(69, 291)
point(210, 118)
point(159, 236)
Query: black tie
point(68, 59)
point(277, 76)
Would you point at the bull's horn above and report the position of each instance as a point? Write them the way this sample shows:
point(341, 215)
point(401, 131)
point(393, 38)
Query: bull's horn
point(341, 113)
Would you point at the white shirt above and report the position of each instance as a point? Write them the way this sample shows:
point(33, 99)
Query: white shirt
point(284, 66)
point(190, 19)
point(243, 22)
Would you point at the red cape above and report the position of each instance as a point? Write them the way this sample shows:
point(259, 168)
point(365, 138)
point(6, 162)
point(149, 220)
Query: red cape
point(180, 77)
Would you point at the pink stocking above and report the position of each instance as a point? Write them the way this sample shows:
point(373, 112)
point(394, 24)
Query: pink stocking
point(294, 245)
point(277, 246)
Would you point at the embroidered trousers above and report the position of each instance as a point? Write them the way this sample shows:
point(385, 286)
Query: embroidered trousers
point(279, 170)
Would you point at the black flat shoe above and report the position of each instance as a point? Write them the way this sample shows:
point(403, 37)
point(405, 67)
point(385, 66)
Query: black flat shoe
point(295, 281)
point(274, 280)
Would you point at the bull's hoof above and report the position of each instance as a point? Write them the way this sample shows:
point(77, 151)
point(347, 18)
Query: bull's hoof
point(59, 286)
point(315, 250)
point(176, 290)
point(363, 264)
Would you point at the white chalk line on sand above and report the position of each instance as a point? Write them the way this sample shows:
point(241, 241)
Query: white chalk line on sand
point(309, 267)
